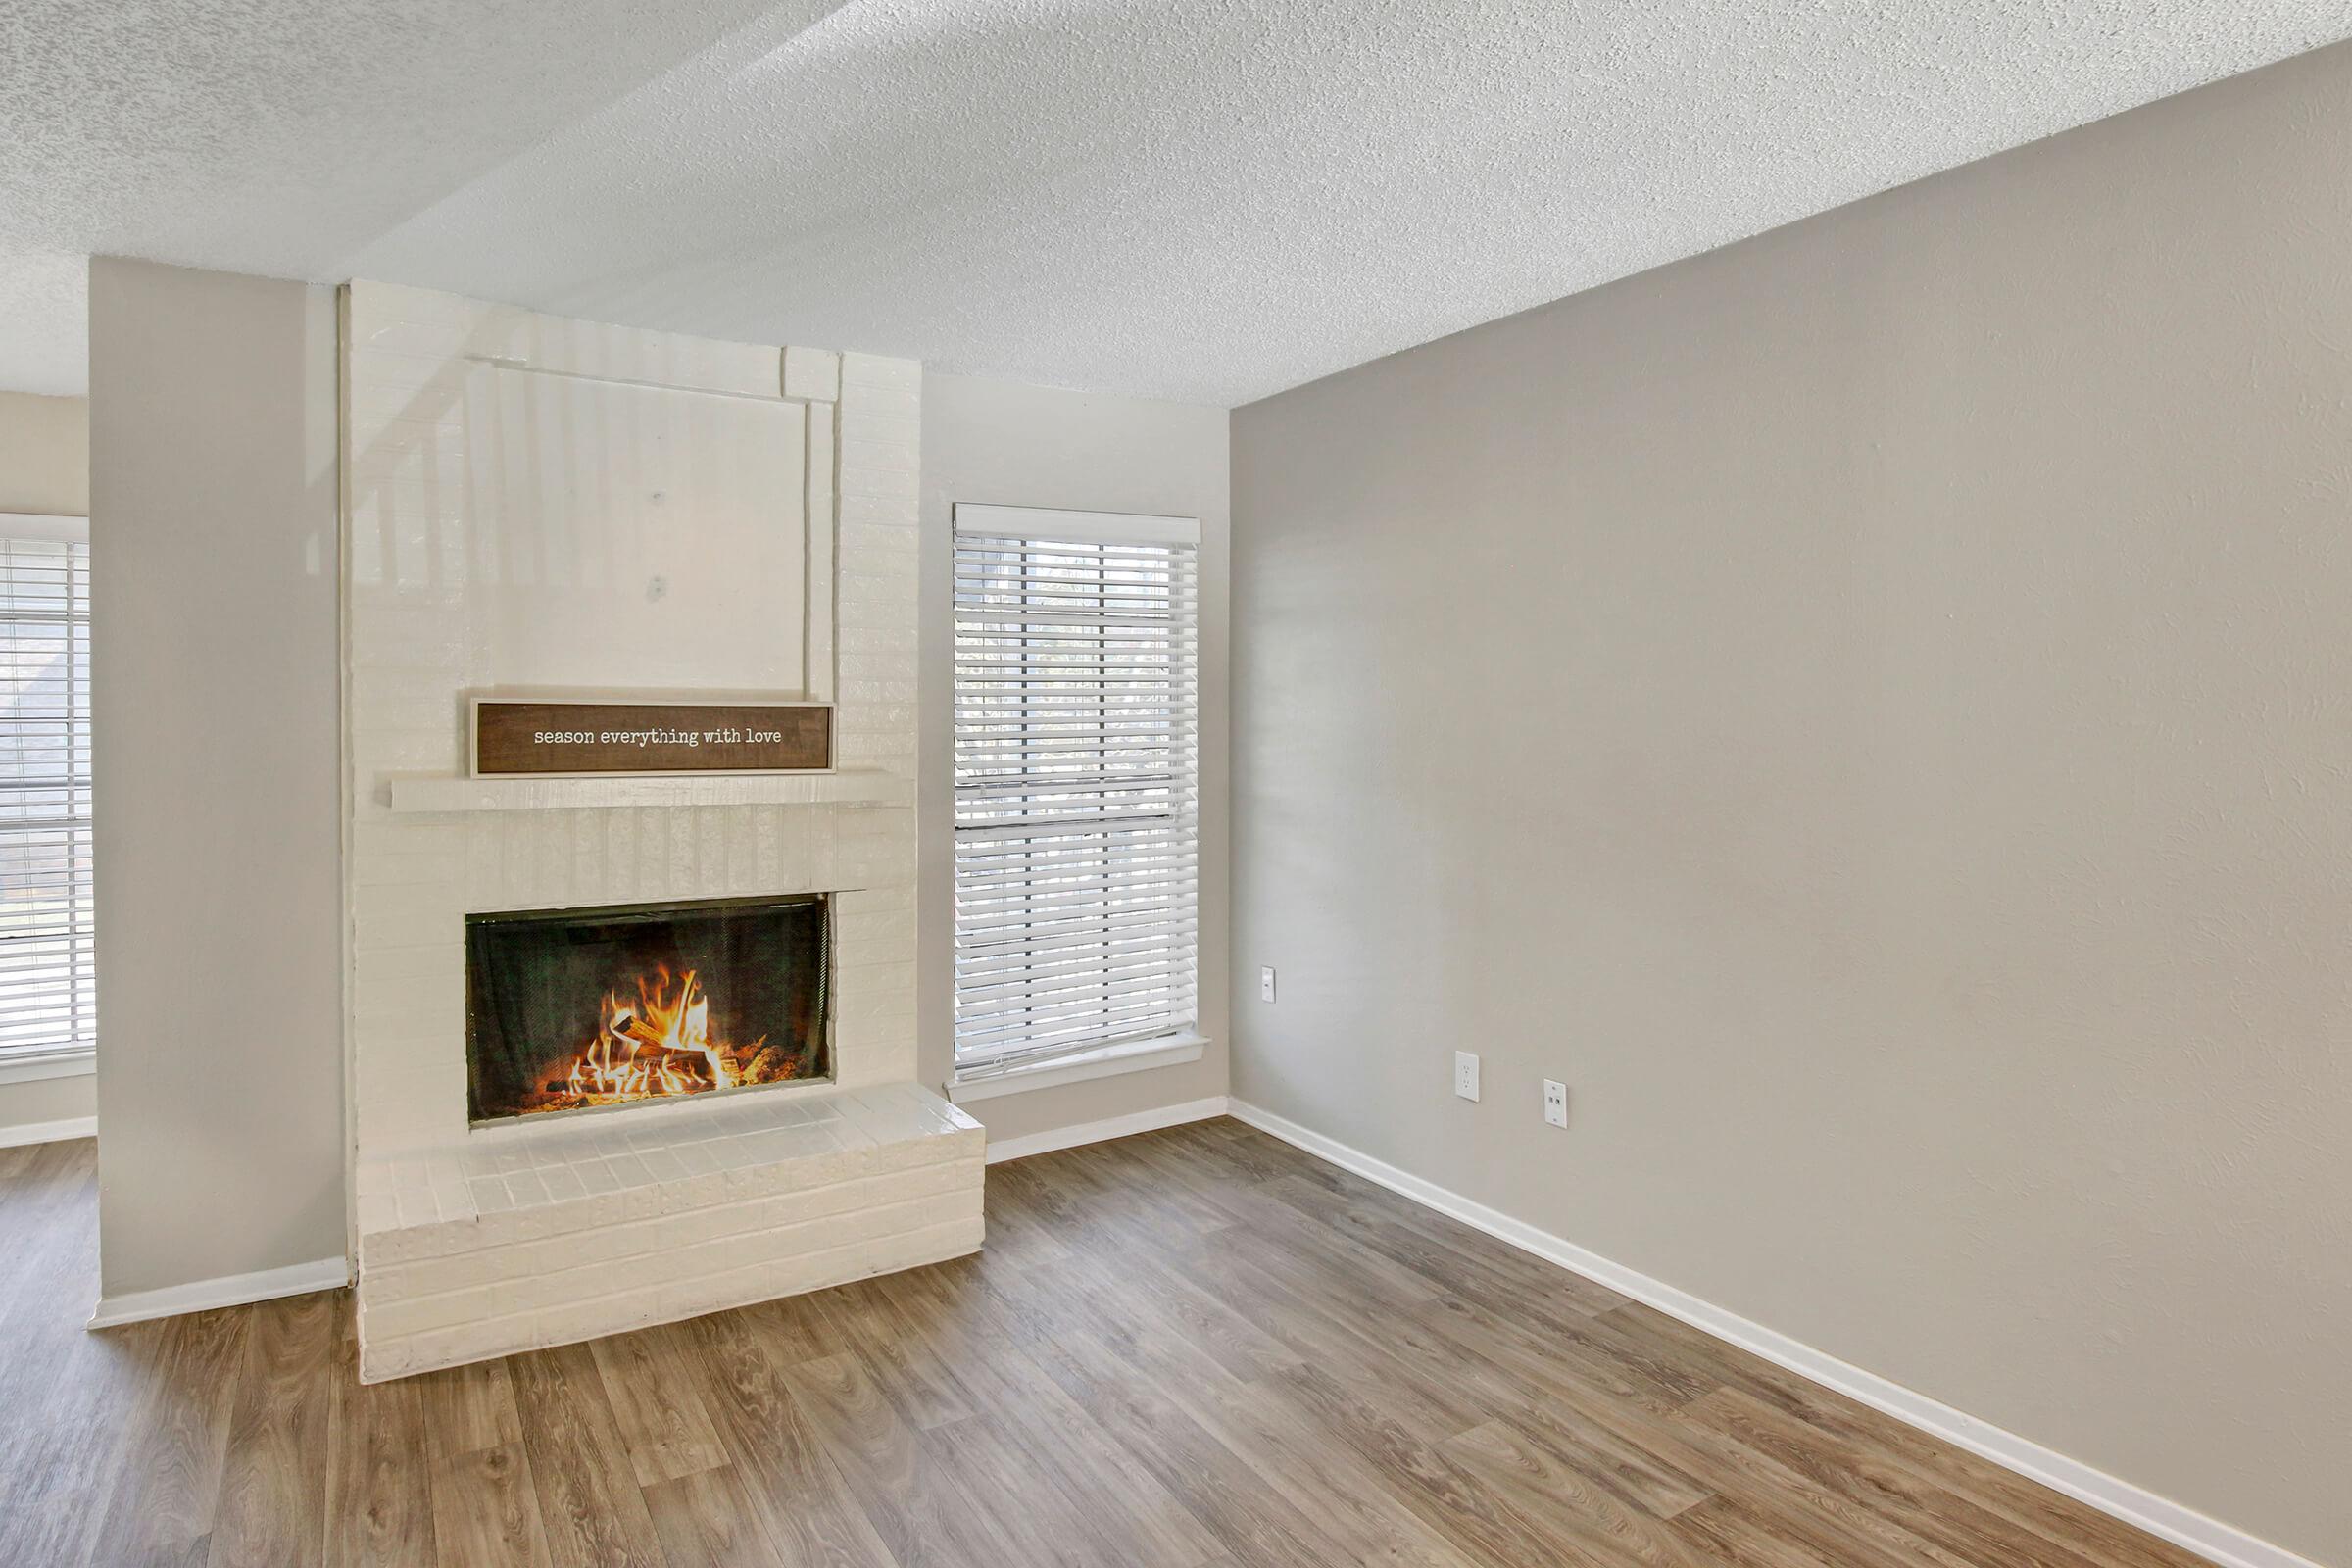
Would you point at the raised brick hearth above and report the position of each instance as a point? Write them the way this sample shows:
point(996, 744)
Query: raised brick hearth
point(606, 1221)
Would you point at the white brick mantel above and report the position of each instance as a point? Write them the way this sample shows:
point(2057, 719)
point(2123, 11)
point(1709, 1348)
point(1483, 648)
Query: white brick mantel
point(452, 522)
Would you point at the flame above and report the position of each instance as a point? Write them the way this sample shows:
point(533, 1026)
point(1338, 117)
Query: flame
point(655, 1043)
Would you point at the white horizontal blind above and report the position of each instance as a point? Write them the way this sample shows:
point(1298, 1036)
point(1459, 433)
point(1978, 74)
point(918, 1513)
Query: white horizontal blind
point(1077, 790)
point(47, 989)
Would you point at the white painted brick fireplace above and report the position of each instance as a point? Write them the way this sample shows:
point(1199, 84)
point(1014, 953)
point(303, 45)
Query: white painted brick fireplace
point(551, 506)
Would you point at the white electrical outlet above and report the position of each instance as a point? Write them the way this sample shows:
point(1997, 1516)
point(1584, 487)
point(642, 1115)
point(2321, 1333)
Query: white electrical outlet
point(1555, 1103)
point(1265, 984)
point(1465, 1074)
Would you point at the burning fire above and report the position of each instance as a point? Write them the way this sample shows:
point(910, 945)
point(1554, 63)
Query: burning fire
point(657, 1042)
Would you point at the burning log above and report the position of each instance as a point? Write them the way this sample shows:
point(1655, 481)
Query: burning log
point(768, 1065)
point(659, 1043)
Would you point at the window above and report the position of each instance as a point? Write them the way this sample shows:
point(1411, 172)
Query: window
point(48, 1014)
point(1077, 783)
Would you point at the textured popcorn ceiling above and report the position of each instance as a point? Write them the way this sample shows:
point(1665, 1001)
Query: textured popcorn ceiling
point(278, 136)
point(1209, 201)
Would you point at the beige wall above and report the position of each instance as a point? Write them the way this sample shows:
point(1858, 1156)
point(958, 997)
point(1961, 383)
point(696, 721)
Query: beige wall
point(1005, 444)
point(46, 467)
point(1868, 709)
point(44, 454)
point(213, 546)
point(24, 1105)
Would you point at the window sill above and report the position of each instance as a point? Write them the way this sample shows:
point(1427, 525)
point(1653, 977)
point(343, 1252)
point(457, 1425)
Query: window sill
point(1133, 1055)
point(48, 1064)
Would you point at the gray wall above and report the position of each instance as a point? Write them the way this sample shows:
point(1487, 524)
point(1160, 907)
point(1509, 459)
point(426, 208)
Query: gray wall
point(46, 467)
point(213, 545)
point(1869, 708)
point(1006, 444)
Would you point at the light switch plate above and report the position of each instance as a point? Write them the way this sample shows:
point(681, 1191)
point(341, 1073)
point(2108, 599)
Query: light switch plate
point(1265, 984)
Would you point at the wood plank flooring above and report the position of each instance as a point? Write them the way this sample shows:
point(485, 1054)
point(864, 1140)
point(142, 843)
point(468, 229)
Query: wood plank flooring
point(1195, 1349)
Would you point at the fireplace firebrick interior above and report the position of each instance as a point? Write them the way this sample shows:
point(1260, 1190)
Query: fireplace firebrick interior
point(586, 1009)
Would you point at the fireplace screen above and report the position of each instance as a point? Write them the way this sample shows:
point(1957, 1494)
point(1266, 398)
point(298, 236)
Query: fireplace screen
point(572, 1009)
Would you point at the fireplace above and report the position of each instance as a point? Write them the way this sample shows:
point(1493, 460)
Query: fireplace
point(588, 1009)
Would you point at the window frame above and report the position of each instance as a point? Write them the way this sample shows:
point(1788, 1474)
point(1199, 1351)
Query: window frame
point(31, 1063)
point(1016, 1067)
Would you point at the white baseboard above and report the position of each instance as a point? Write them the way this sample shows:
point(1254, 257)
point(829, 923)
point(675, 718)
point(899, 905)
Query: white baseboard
point(1095, 1132)
point(230, 1290)
point(2158, 1516)
point(48, 1132)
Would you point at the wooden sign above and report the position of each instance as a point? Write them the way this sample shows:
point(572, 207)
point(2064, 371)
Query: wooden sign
point(514, 735)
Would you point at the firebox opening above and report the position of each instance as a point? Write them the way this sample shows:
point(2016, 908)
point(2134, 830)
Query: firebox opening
point(585, 1010)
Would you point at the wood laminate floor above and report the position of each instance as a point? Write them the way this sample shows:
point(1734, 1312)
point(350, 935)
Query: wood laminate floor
point(1195, 1349)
